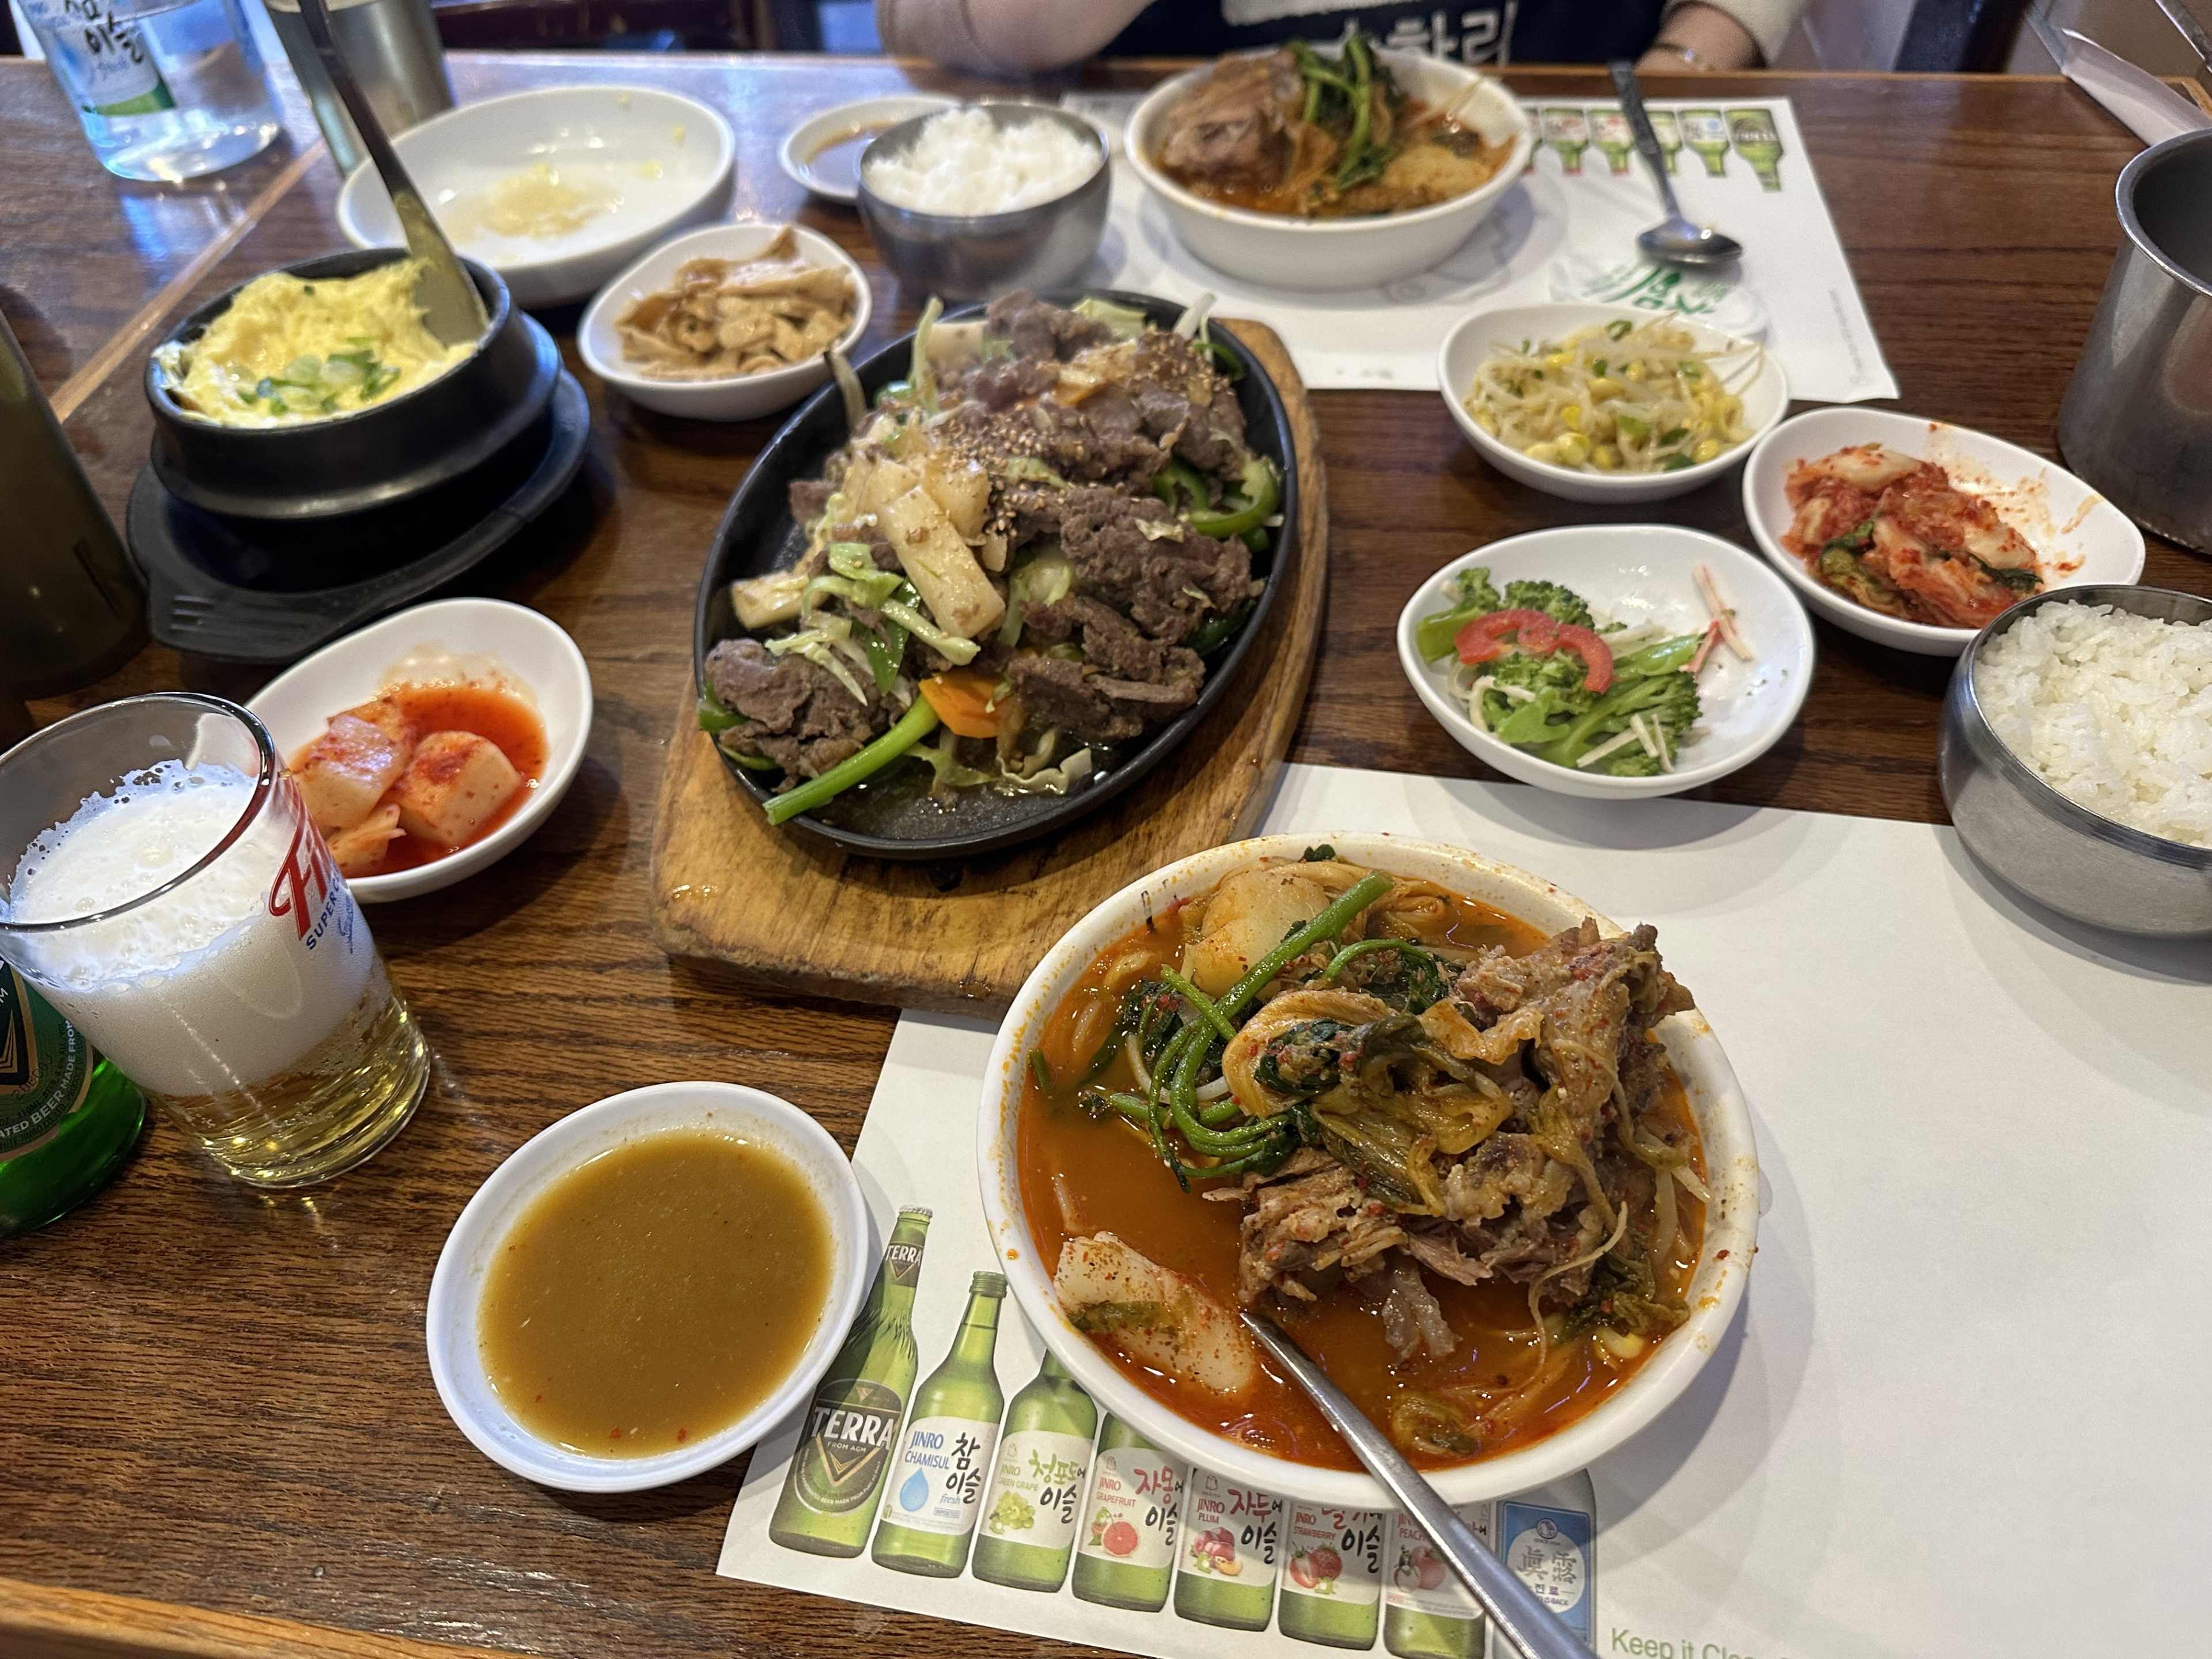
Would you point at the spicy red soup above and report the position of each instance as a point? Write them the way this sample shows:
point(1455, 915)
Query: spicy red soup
point(1081, 1174)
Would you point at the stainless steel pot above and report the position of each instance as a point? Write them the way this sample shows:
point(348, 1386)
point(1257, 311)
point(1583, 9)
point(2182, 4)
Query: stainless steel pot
point(2060, 853)
point(2137, 418)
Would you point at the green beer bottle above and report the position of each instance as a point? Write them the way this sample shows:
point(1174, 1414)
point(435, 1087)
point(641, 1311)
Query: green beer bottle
point(829, 1493)
point(1125, 1546)
point(1609, 132)
point(1548, 1537)
point(1566, 131)
point(67, 1116)
point(1332, 1576)
point(1759, 143)
point(1707, 134)
point(1428, 1613)
point(1225, 1569)
point(945, 1457)
point(1669, 132)
point(1036, 1492)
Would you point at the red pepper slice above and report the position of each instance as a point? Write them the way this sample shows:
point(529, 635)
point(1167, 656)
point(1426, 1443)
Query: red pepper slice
point(1487, 638)
point(1596, 655)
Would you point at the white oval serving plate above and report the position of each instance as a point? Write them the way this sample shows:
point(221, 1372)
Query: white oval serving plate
point(1633, 573)
point(2077, 535)
point(525, 651)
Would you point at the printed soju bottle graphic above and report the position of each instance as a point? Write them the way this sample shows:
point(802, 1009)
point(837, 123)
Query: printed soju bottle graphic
point(1332, 1575)
point(1036, 1495)
point(1566, 131)
point(1705, 131)
point(836, 1474)
point(1668, 132)
point(1753, 133)
point(1548, 1537)
point(1225, 1566)
point(1125, 1539)
point(1427, 1611)
point(936, 1485)
point(1609, 132)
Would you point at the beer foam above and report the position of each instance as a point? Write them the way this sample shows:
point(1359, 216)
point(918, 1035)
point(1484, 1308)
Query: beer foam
point(205, 988)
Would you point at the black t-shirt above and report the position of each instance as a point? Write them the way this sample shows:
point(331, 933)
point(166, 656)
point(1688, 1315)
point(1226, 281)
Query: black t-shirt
point(1471, 31)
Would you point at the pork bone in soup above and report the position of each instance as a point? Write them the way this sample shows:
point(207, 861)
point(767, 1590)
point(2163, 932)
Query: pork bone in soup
point(1299, 133)
point(1442, 1148)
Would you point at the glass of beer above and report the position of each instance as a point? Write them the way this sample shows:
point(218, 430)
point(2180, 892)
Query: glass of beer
point(161, 885)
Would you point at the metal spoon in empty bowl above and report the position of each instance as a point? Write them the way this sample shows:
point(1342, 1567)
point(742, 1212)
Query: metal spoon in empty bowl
point(1519, 1614)
point(1674, 240)
point(452, 310)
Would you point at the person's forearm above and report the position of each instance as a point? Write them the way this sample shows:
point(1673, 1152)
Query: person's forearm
point(1000, 37)
point(1704, 38)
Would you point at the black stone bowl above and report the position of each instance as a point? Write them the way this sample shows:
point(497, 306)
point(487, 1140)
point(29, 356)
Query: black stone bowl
point(892, 815)
point(371, 457)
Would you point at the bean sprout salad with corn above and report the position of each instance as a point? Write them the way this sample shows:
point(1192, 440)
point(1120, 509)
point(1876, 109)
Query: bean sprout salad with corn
point(1617, 396)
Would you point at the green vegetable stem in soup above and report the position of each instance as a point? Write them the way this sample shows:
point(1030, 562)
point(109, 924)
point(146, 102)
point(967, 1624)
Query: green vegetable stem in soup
point(1024, 559)
point(1444, 1148)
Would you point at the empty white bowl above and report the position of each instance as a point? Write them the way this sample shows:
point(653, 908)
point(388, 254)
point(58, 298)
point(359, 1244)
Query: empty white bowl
point(1633, 573)
point(668, 159)
point(2078, 536)
point(528, 653)
point(1277, 250)
point(457, 1286)
point(1765, 394)
point(847, 128)
point(729, 397)
point(1715, 1099)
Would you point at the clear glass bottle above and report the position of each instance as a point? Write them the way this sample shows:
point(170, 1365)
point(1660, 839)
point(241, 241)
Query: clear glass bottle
point(167, 89)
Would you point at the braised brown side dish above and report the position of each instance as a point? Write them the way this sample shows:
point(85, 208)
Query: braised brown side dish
point(1301, 133)
point(1023, 558)
point(725, 317)
point(1445, 1149)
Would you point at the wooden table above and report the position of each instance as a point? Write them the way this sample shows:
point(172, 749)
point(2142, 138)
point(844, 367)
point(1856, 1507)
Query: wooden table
point(218, 1400)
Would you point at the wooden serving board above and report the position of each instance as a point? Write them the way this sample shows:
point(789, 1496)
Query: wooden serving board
point(791, 912)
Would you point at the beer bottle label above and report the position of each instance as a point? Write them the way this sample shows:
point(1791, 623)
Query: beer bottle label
point(1334, 1554)
point(938, 1486)
point(902, 1264)
point(1420, 1578)
point(45, 1068)
point(1549, 1550)
point(1704, 126)
point(1132, 1519)
point(1229, 1531)
point(101, 60)
point(848, 1440)
point(1039, 1488)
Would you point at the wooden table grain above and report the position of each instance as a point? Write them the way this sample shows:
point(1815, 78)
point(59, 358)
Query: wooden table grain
point(218, 1400)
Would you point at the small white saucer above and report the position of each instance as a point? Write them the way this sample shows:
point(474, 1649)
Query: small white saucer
point(864, 117)
point(457, 1286)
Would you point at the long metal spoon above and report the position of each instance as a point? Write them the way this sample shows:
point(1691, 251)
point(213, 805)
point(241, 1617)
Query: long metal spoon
point(452, 310)
point(1674, 240)
point(1530, 1626)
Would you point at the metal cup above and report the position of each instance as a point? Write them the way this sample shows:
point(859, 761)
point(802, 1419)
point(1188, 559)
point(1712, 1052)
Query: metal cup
point(391, 46)
point(2137, 419)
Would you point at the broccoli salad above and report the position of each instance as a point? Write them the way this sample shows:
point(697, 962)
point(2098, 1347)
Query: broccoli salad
point(1538, 669)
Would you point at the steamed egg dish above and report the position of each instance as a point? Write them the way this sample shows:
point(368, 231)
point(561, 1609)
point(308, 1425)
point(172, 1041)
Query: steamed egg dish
point(291, 349)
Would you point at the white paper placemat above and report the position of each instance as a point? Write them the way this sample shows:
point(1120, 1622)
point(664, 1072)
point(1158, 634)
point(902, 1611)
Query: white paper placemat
point(1793, 265)
point(1963, 1411)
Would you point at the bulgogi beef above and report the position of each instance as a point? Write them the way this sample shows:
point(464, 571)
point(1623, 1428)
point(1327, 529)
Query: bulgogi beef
point(1086, 591)
point(1563, 1034)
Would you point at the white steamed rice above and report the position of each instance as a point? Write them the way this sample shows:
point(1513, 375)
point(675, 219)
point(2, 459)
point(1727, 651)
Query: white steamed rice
point(963, 163)
point(2113, 710)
